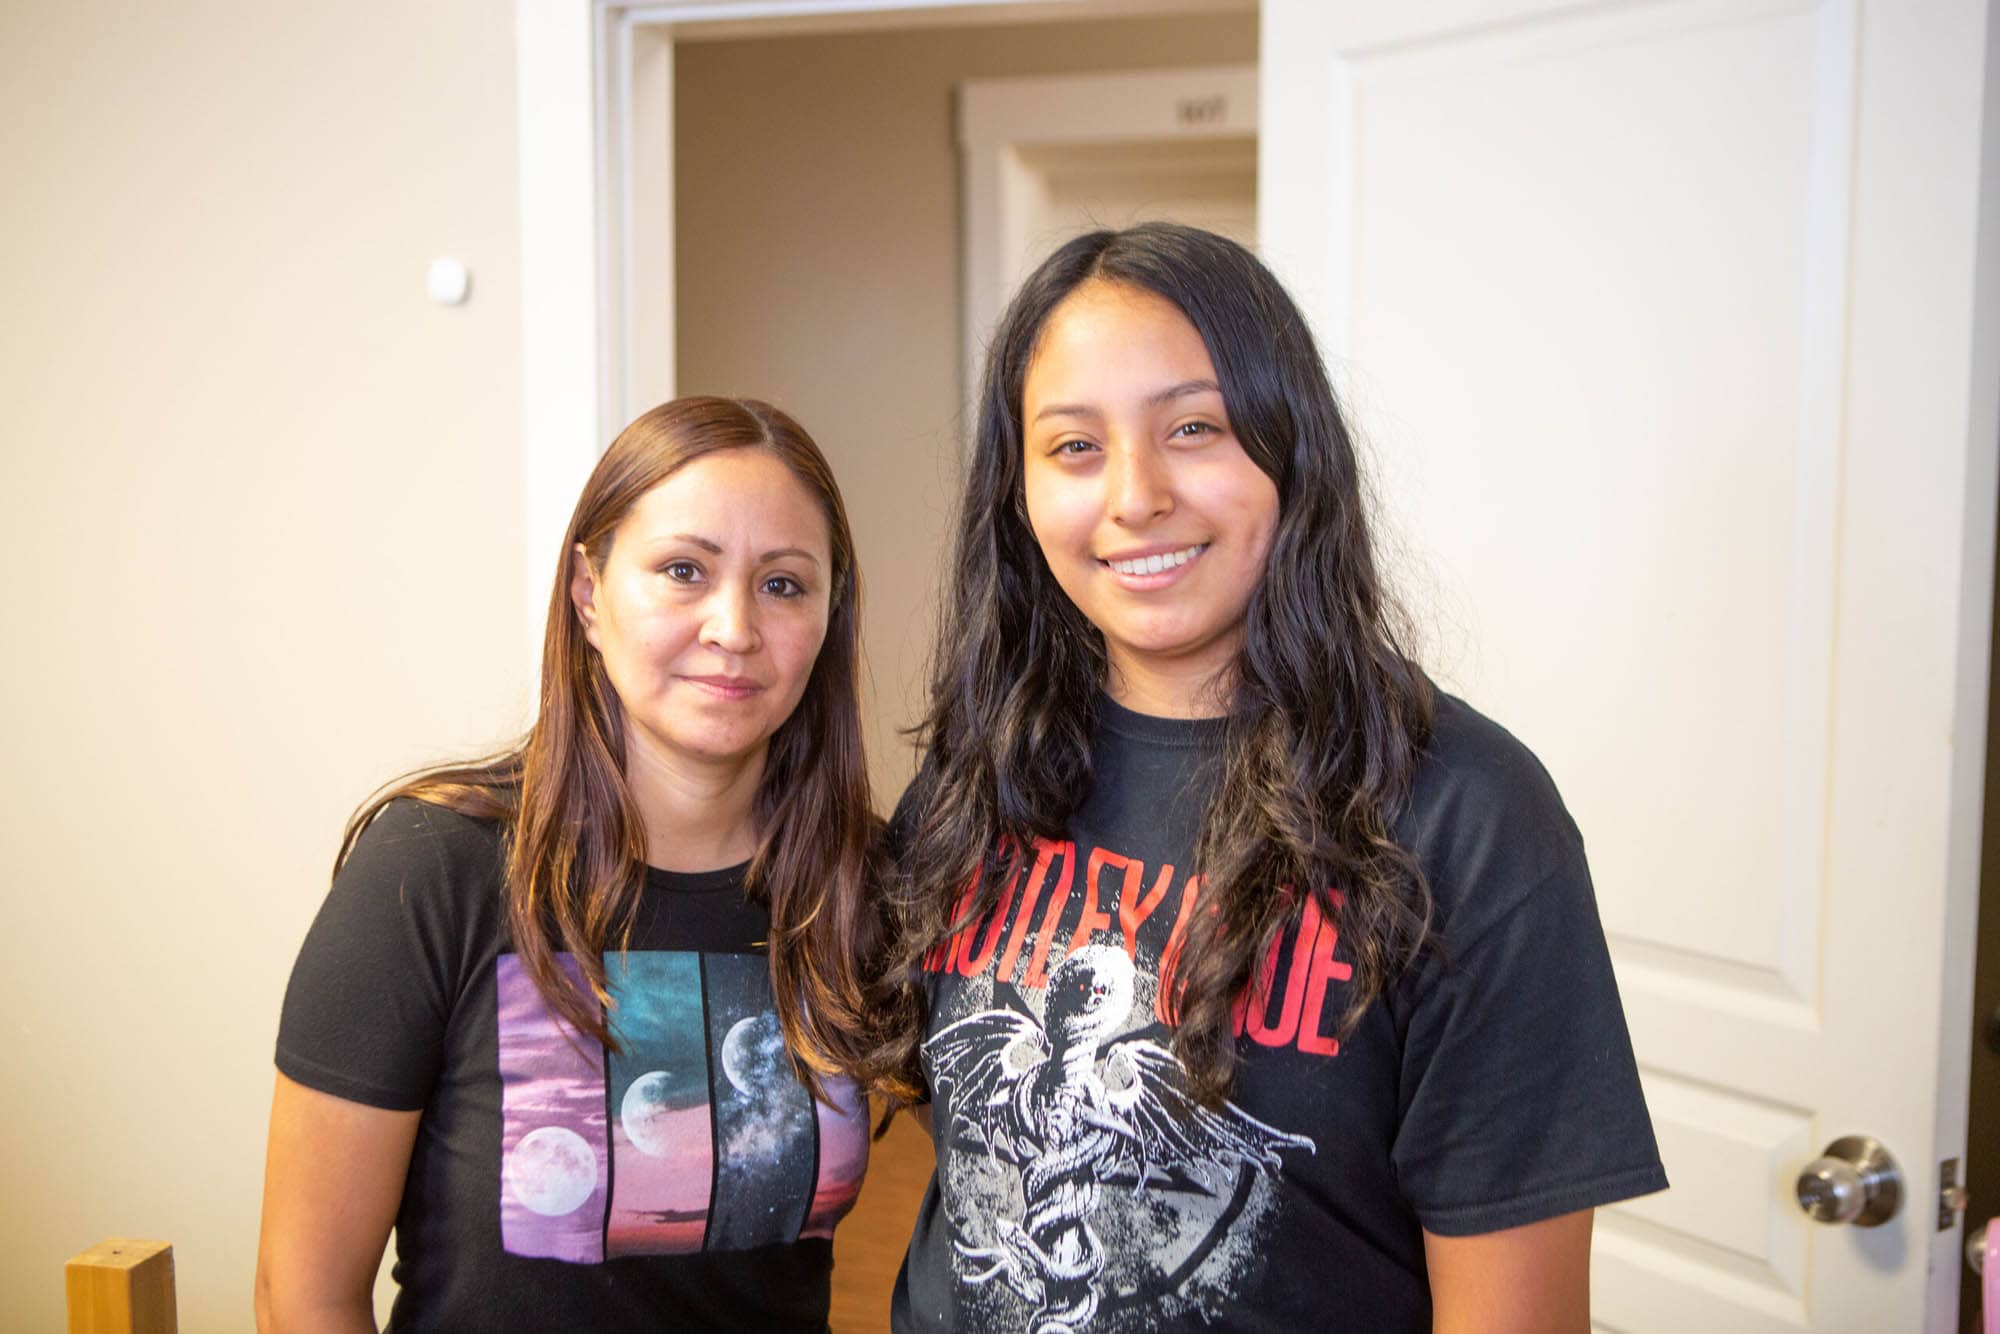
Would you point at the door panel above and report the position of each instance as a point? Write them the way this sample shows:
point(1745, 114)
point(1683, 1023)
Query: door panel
point(1670, 307)
point(1075, 188)
point(1677, 466)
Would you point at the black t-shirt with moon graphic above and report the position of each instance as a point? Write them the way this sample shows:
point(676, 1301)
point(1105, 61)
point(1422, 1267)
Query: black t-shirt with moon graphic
point(1077, 1186)
point(685, 1180)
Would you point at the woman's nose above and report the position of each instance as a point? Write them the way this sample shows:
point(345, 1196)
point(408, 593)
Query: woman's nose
point(731, 626)
point(1140, 489)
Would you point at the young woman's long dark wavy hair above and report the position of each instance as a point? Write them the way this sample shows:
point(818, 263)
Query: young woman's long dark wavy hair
point(1327, 713)
point(576, 847)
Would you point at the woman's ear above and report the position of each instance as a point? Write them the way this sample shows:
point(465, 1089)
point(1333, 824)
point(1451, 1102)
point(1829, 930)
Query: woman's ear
point(583, 592)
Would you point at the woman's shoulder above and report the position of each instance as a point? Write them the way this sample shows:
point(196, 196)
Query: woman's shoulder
point(409, 924)
point(413, 842)
point(1483, 816)
point(1468, 752)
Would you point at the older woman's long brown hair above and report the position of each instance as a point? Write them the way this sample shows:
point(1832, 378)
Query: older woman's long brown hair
point(576, 847)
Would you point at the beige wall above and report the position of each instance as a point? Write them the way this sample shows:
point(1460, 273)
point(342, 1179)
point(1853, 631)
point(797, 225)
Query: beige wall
point(261, 504)
point(817, 231)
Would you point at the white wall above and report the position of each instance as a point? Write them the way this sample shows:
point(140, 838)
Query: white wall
point(261, 505)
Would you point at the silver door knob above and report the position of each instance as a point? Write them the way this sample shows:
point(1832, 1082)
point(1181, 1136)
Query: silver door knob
point(1854, 1181)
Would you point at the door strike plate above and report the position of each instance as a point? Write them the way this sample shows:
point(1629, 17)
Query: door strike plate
point(1952, 1197)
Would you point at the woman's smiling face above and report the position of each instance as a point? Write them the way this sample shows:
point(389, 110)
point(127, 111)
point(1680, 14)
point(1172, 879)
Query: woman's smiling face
point(1150, 515)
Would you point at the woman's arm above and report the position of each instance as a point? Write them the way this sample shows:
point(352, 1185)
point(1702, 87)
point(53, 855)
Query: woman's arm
point(333, 1178)
point(1525, 1280)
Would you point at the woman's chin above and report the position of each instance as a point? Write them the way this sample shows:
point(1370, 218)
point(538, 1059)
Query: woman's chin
point(1172, 650)
point(707, 747)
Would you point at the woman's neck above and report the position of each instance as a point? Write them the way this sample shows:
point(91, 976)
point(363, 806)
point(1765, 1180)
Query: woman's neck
point(1184, 690)
point(698, 816)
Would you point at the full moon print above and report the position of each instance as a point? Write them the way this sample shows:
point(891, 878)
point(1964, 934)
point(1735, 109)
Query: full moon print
point(645, 1113)
point(554, 1153)
point(552, 1171)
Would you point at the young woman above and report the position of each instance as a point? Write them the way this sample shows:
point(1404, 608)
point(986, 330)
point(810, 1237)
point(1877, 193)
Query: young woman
point(534, 1026)
point(1251, 982)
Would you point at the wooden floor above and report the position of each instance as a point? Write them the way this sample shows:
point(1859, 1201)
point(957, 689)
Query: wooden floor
point(868, 1247)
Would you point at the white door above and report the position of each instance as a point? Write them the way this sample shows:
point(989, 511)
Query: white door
point(1667, 327)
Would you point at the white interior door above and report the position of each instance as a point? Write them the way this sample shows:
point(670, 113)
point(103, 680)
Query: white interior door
point(1672, 331)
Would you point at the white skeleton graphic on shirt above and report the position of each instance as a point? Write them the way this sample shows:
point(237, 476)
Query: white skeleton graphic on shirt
point(1072, 1111)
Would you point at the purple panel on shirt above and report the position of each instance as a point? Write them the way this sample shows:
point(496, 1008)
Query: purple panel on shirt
point(843, 1156)
point(554, 1152)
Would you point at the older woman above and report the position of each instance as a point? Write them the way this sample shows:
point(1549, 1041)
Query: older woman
point(571, 1017)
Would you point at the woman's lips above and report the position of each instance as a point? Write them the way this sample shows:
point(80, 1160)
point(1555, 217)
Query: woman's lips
point(1153, 568)
point(725, 687)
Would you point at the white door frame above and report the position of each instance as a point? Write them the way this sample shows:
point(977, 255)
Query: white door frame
point(597, 209)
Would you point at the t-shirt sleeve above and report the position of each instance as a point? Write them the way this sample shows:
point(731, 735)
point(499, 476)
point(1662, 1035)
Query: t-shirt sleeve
point(1520, 1096)
point(370, 998)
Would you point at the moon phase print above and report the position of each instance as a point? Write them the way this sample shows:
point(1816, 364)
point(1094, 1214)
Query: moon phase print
point(695, 1135)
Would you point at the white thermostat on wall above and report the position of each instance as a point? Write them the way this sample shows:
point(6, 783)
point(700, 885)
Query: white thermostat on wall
point(448, 282)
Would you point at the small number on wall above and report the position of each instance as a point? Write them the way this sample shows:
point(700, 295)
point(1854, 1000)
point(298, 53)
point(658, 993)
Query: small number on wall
point(1192, 111)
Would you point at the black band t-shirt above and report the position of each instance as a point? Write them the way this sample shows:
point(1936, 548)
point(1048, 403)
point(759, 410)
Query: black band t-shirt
point(684, 1181)
point(1078, 1187)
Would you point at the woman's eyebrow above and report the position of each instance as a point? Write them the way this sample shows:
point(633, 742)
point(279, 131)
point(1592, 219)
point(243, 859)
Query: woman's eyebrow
point(714, 549)
point(800, 552)
point(1183, 390)
point(1173, 391)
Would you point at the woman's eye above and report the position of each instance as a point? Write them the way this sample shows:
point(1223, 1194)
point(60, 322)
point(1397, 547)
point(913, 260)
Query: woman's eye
point(681, 571)
point(1071, 448)
point(1189, 430)
point(784, 586)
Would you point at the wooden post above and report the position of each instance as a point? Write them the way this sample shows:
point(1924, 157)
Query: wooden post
point(122, 1286)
